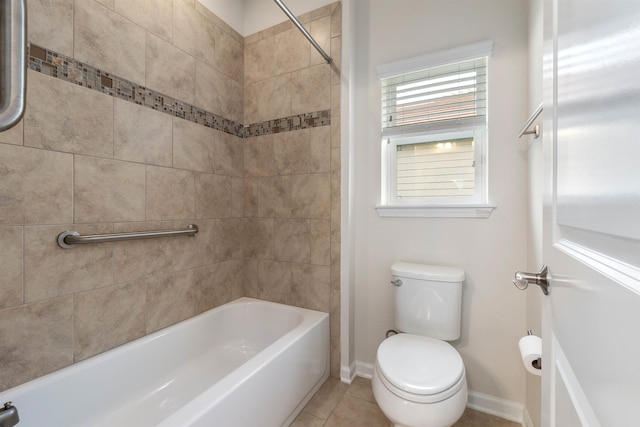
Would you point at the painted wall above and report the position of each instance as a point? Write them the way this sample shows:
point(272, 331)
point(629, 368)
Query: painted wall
point(489, 250)
point(230, 11)
point(536, 184)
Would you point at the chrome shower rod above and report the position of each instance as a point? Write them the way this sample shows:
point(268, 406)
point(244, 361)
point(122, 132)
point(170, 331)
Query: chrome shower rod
point(304, 31)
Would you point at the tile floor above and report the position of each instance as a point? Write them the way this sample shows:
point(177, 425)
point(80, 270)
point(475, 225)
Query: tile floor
point(339, 405)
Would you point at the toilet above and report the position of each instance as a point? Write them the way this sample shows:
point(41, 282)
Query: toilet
point(418, 377)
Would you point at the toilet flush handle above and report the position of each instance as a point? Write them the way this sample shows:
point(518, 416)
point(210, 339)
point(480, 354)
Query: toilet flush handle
point(396, 282)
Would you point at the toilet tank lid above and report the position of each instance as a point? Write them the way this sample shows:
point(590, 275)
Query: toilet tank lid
point(435, 273)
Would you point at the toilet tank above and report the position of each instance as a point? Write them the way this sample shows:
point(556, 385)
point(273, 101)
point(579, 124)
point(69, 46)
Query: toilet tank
point(429, 300)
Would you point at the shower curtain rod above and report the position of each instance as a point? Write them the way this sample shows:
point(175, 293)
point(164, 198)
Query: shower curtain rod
point(304, 31)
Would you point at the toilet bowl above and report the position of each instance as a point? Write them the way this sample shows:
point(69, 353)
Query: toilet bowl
point(419, 381)
point(419, 378)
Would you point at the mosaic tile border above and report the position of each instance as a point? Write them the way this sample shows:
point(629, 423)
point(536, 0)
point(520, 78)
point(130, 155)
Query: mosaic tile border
point(301, 121)
point(56, 65)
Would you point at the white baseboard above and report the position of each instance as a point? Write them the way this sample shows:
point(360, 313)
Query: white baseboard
point(482, 402)
point(497, 406)
point(364, 370)
point(348, 373)
point(526, 418)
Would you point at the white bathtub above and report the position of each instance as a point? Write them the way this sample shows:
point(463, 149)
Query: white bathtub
point(247, 363)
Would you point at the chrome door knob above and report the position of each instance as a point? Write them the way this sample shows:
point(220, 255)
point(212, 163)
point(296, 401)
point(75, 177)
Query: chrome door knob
point(522, 279)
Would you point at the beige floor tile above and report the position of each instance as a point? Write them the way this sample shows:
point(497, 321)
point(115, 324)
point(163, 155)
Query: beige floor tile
point(305, 419)
point(354, 412)
point(326, 399)
point(361, 389)
point(340, 405)
point(472, 418)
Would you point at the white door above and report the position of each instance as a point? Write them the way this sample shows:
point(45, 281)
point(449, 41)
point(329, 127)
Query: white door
point(591, 317)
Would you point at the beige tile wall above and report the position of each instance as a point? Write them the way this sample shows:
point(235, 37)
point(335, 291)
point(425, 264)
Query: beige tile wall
point(292, 179)
point(86, 161)
point(90, 162)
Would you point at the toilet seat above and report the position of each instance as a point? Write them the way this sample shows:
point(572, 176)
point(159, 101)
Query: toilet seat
point(420, 369)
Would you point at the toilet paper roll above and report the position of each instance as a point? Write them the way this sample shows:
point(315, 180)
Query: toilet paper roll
point(531, 352)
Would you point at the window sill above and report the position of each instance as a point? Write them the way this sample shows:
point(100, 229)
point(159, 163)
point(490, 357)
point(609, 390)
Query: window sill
point(448, 211)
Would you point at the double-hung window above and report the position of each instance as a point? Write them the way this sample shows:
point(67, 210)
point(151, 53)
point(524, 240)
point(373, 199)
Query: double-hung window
point(434, 134)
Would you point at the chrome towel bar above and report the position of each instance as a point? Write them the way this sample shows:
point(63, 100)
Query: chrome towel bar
point(69, 239)
point(536, 128)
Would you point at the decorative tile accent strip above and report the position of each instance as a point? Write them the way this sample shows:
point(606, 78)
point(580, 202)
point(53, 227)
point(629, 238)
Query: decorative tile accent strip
point(285, 124)
point(68, 69)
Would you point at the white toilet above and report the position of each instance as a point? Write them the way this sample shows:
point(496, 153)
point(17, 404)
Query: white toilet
point(418, 378)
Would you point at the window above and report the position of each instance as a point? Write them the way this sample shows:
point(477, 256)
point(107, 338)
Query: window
point(434, 128)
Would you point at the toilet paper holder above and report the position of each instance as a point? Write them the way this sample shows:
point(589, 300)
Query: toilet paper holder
point(541, 279)
point(538, 362)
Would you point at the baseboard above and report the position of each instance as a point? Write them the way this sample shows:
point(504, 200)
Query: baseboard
point(364, 370)
point(526, 418)
point(348, 373)
point(497, 406)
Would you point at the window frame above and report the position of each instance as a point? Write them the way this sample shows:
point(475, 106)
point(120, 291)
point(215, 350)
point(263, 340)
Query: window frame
point(458, 207)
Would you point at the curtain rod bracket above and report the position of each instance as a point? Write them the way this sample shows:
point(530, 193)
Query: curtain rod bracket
point(535, 132)
point(536, 129)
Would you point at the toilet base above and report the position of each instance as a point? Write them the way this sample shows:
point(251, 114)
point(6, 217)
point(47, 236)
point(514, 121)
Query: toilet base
point(404, 413)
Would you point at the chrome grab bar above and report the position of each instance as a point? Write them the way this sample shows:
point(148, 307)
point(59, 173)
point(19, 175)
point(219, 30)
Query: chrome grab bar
point(9, 416)
point(69, 239)
point(13, 62)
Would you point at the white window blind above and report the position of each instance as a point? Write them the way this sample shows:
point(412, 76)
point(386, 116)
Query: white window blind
point(436, 169)
point(434, 132)
point(444, 97)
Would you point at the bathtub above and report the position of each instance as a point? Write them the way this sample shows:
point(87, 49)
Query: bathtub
point(246, 363)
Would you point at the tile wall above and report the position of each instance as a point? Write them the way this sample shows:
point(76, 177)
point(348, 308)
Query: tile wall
point(292, 179)
point(94, 162)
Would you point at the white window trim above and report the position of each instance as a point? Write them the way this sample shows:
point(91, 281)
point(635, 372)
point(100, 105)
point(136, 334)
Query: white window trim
point(435, 59)
point(432, 210)
point(451, 211)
